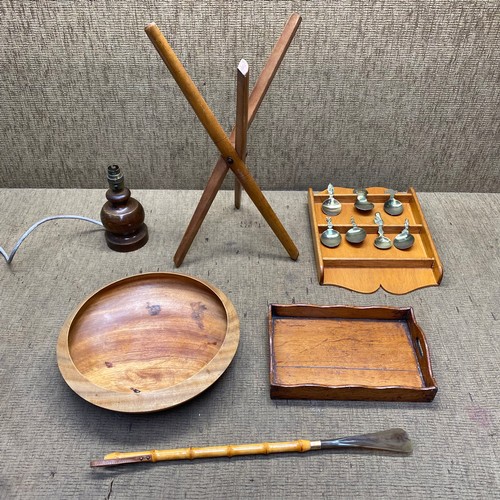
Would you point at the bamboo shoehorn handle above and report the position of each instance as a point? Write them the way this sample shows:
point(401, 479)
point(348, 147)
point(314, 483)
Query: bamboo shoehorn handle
point(395, 440)
point(230, 450)
point(218, 136)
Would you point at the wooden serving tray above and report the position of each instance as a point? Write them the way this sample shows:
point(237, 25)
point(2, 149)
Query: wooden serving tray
point(348, 353)
point(363, 267)
point(148, 342)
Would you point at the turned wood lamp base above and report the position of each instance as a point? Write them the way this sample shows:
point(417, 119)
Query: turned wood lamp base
point(120, 243)
point(122, 216)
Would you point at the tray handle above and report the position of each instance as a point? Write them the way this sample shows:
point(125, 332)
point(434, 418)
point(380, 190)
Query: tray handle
point(422, 352)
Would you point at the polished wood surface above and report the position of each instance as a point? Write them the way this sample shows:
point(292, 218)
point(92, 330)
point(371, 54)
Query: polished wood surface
point(219, 138)
point(242, 85)
point(148, 342)
point(363, 267)
point(348, 353)
point(123, 219)
point(221, 168)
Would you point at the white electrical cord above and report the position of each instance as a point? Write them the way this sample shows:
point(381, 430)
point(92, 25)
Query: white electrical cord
point(8, 258)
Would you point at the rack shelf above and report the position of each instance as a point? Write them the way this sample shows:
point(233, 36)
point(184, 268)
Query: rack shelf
point(363, 267)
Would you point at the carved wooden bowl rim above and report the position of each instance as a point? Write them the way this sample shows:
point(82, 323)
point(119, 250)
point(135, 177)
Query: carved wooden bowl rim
point(163, 398)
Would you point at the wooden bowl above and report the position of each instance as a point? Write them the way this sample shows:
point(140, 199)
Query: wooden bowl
point(148, 342)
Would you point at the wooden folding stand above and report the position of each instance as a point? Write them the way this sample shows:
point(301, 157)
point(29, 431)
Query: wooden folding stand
point(232, 157)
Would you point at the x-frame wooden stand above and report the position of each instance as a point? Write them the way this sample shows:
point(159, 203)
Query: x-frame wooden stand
point(232, 157)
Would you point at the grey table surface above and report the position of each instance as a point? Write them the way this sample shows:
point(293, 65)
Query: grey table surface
point(48, 434)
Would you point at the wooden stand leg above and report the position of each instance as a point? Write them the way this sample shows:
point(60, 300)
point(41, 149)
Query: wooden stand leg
point(260, 201)
point(241, 121)
point(237, 193)
point(208, 196)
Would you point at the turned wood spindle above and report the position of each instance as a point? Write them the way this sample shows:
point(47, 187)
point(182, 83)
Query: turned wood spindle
point(122, 216)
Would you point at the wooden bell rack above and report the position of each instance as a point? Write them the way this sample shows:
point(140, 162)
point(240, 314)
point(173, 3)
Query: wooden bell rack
point(232, 157)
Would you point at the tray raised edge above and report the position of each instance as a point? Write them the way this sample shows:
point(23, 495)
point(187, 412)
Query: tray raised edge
point(353, 392)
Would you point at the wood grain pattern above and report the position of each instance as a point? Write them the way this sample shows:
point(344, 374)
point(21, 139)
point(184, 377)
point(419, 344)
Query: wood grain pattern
point(348, 353)
point(242, 85)
point(123, 218)
point(363, 267)
point(148, 342)
point(219, 138)
point(221, 168)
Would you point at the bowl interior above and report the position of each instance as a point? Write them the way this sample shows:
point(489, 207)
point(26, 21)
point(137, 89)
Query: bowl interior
point(147, 333)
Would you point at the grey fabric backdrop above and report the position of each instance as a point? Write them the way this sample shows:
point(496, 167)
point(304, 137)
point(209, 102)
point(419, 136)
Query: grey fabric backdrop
point(370, 93)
